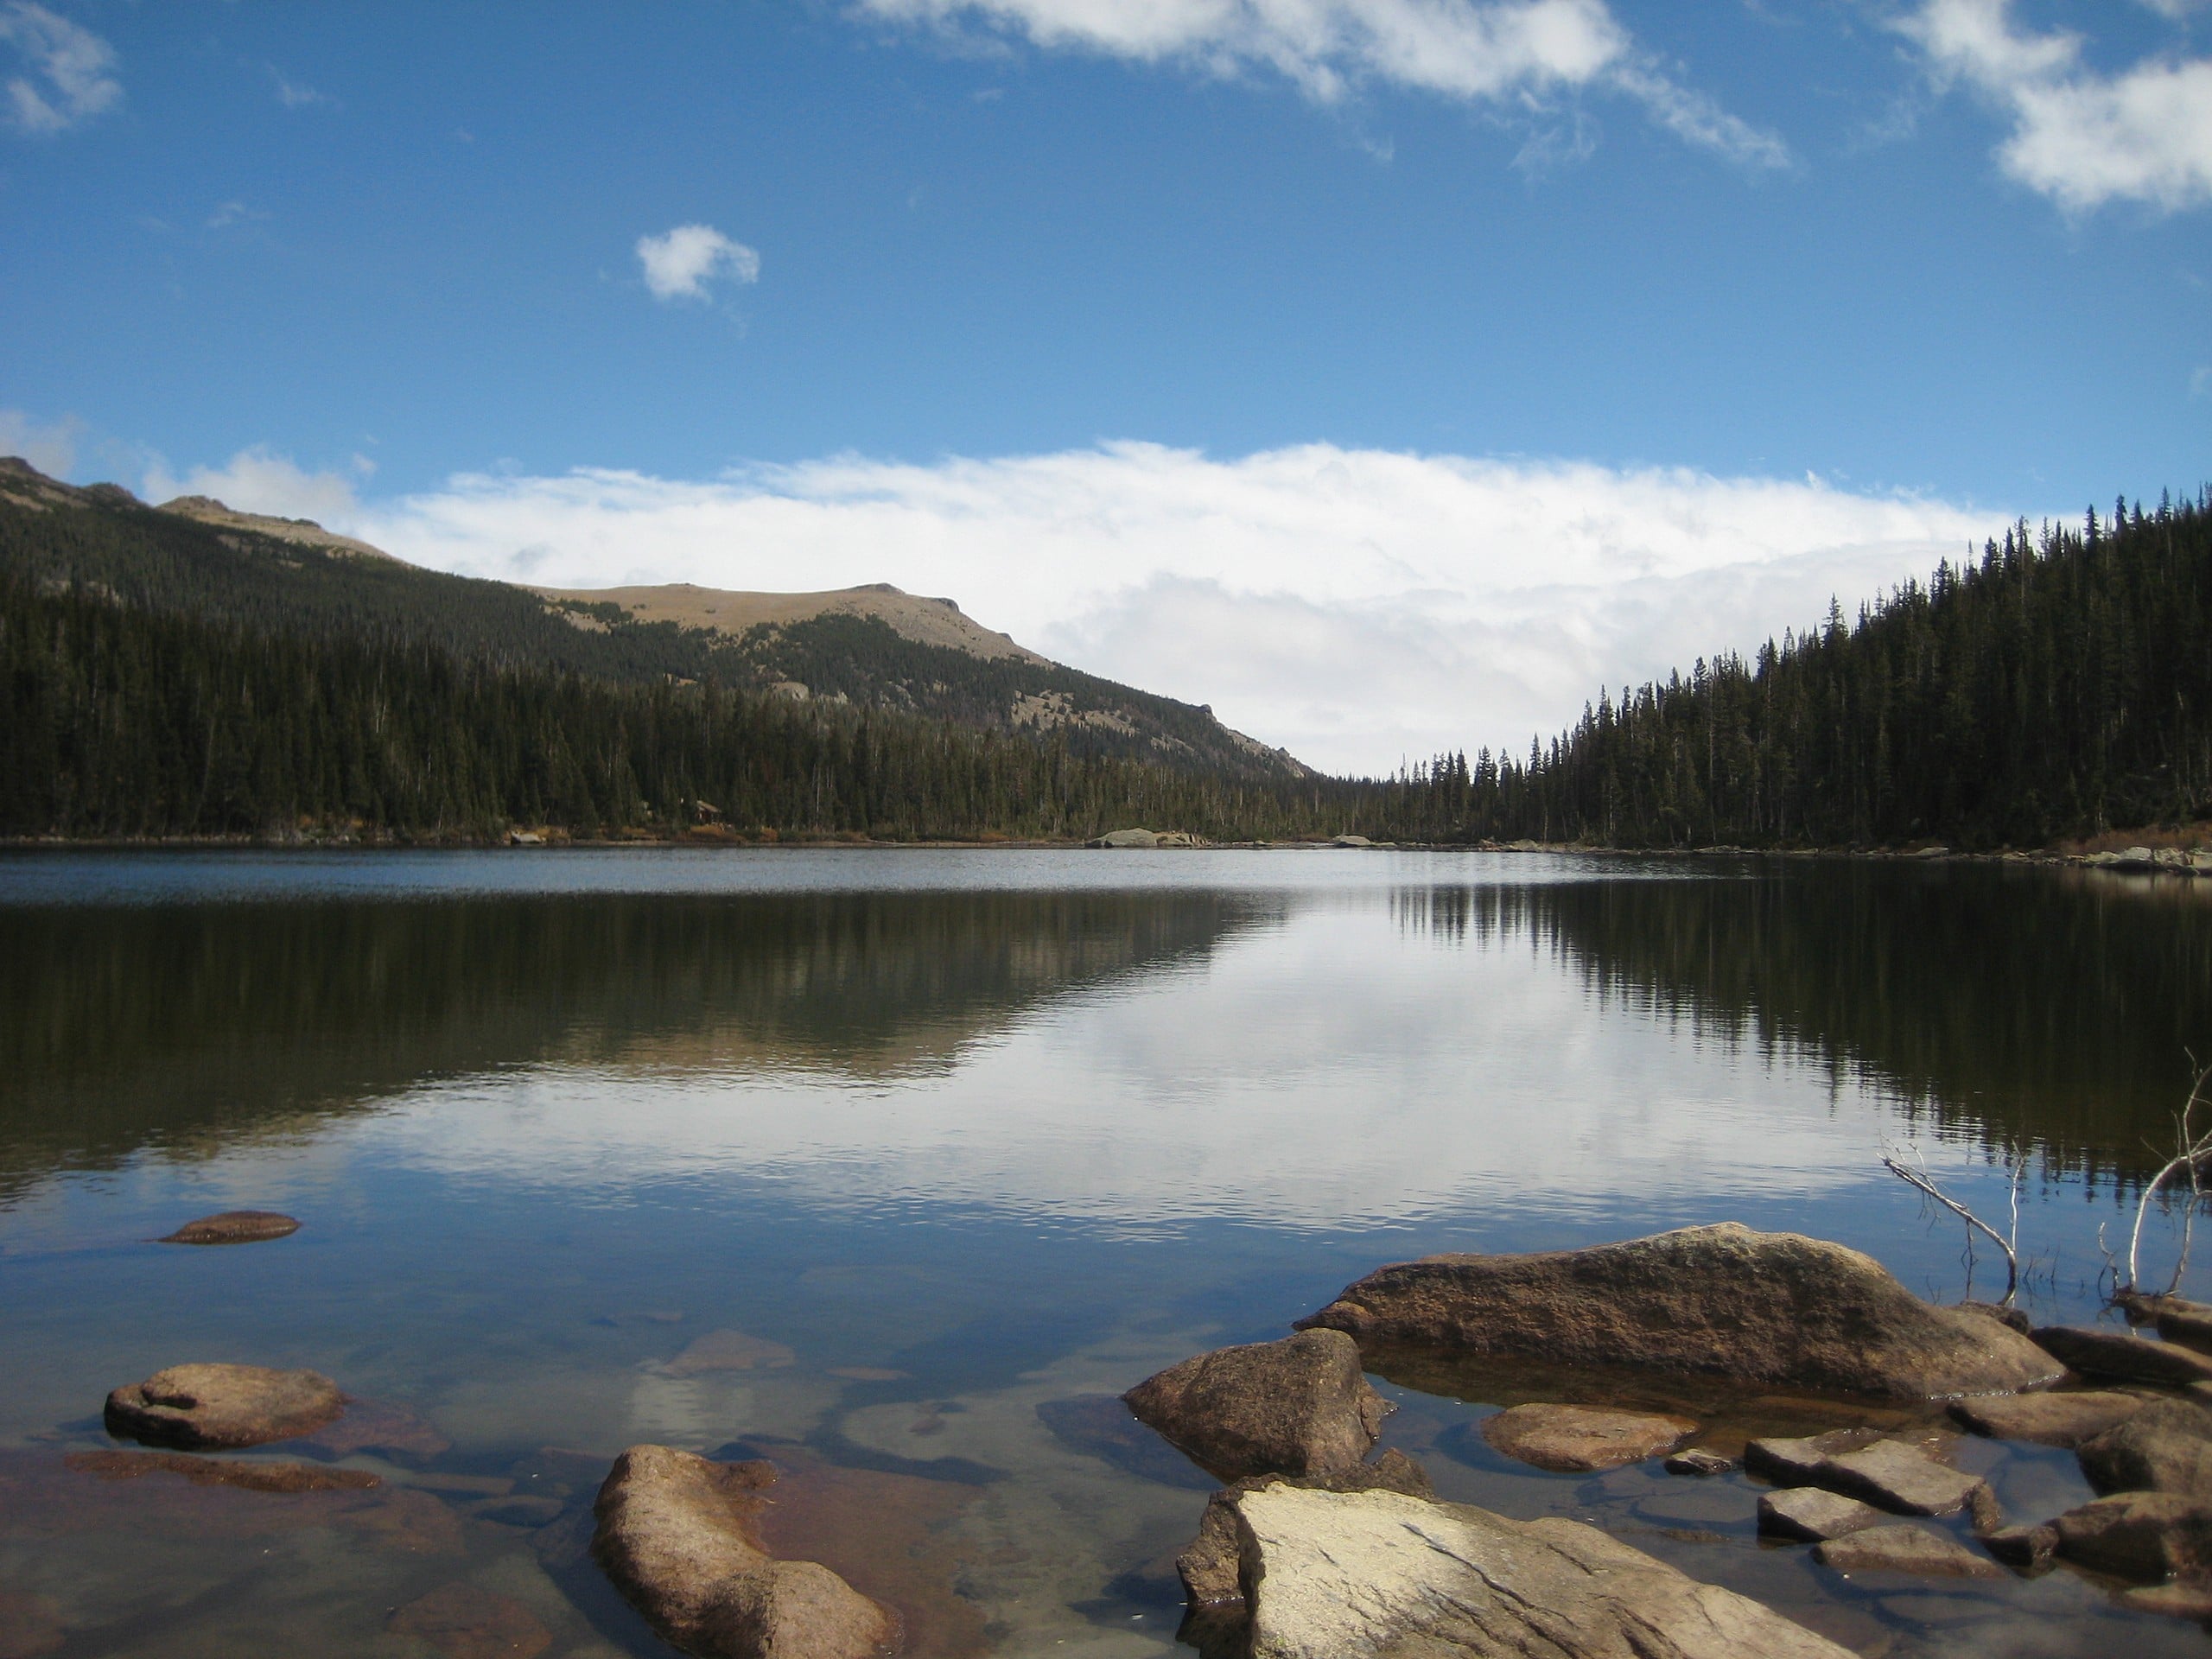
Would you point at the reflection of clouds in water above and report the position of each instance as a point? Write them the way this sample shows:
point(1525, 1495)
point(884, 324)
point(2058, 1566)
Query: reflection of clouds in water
point(1335, 1070)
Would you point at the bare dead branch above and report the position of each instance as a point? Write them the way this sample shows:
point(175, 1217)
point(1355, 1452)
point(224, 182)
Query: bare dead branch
point(1925, 1184)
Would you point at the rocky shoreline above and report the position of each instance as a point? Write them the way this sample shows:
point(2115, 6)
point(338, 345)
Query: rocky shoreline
point(1695, 1347)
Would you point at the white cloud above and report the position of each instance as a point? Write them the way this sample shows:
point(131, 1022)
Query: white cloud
point(50, 448)
point(2080, 137)
point(1515, 53)
point(680, 263)
point(260, 481)
point(296, 94)
point(1355, 606)
point(67, 80)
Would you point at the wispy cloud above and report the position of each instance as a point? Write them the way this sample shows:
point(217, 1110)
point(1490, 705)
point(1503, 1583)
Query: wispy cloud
point(296, 94)
point(49, 446)
point(2080, 137)
point(680, 263)
point(261, 480)
point(66, 78)
point(1357, 606)
point(1509, 53)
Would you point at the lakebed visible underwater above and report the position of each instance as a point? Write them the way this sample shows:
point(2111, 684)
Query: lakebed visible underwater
point(896, 1166)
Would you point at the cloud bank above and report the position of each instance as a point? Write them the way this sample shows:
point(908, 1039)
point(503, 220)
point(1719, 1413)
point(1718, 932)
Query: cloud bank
point(1358, 607)
point(2079, 138)
point(680, 263)
point(1518, 53)
point(66, 79)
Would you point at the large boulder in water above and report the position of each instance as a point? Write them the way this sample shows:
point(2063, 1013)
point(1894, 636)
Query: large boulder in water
point(202, 1407)
point(673, 1534)
point(1296, 1407)
point(1333, 1575)
point(1763, 1310)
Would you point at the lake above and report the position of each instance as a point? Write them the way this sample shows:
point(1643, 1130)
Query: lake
point(896, 1166)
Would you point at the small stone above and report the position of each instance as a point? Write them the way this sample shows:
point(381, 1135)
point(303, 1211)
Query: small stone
point(222, 1407)
point(2145, 1536)
point(1696, 1461)
point(234, 1227)
point(1578, 1439)
point(1985, 1510)
point(1809, 1513)
point(2062, 1419)
point(465, 1622)
point(2028, 1550)
point(1788, 1462)
point(1899, 1478)
point(2128, 1358)
point(1899, 1548)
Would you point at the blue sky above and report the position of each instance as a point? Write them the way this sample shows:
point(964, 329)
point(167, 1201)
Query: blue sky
point(1340, 285)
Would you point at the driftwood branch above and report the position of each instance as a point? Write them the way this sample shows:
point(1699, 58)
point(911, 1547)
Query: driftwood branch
point(1921, 1180)
point(2192, 1151)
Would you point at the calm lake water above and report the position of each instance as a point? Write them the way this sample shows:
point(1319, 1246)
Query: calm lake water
point(895, 1167)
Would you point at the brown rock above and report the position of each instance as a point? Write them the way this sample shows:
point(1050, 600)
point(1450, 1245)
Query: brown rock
point(1696, 1461)
point(1772, 1310)
point(2063, 1420)
point(2185, 1322)
point(1796, 1462)
point(464, 1622)
point(220, 1406)
point(2010, 1317)
point(2127, 1358)
point(221, 1472)
point(1296, 1407)
point(1898, 1478)
point(2191, 1600)
point(1809, 1513)
point(2162, 1448)
point(1903, 1549)
point(674, 1536)
point(234, 1227)
point(2024, 1549)
point(1209, 1568)
point(379, 1426)
point(2146, 1536)
point(1571, 1440)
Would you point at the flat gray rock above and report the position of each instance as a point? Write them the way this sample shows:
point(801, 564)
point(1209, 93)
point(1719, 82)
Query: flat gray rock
point(1902, 1548)
point(1297, 1407)
point(2124, 1358)
point(2062, 1419)
point(1796, 1460)
point(1814, 1514)
point(1209, 1567)
point(1577, 1440)
point(1898, 1478)
point(1771, 1310)
point(1334, 1575)
point(196, 1407)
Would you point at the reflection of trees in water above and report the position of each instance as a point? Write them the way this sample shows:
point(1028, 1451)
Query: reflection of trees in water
point(186, 1026)
point(2015, 1007)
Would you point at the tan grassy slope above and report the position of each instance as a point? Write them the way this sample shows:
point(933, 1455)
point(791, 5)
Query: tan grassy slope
point(302, 532)
point(926, 622)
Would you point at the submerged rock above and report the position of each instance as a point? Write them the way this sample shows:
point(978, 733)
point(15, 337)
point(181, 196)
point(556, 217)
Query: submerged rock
point(1902, 1547)
point(2146, 1536)
point(1296, 1407)
point(1328, 1575)
point(2061, 1420)
point(673, 1535)
point(1574, 1440)
point(234, 1227)
point(2128, 1358)
point(1772, 1310)
point(2162, 1448)
point(222, 1407)
point(464, 1621)
point(1813, 1514)
point(237, 1473)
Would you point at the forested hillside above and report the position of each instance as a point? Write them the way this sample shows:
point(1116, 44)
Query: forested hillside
point(2059, 686)
point(102, 541)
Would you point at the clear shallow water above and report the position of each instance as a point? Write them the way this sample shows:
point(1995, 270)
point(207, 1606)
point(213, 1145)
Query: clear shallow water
point(960, 1141)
